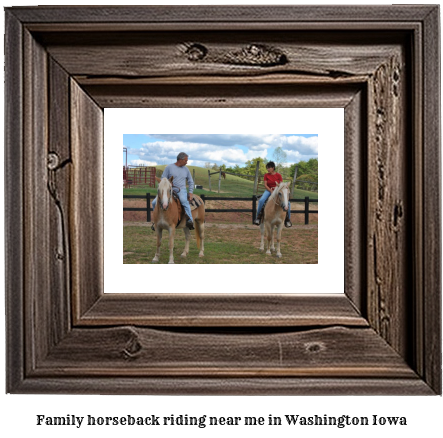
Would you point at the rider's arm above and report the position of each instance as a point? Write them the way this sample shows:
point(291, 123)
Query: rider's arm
point(190, 182)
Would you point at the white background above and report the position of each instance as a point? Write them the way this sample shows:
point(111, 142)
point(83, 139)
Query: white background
point(17, 414)
point(327, 123)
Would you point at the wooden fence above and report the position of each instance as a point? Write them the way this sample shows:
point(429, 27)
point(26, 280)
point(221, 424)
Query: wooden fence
point(253, 210)
point(133, 176)
point(312, 186)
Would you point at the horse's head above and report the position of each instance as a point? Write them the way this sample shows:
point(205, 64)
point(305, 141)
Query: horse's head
point(164, 192)
point(283, 192)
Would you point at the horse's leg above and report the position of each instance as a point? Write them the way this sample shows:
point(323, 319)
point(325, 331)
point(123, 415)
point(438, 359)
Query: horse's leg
point(262, 230)
point(279, 228)
point(269, 230)
point(171, 245)
point(159, 242)
point(200, 231)
point(272, 238)
point(187, 237)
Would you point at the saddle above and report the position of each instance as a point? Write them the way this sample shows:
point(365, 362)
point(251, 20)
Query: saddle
point(194, 203)
point(261, 215)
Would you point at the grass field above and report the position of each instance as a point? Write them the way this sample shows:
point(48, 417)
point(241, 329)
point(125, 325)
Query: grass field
point(224, 244)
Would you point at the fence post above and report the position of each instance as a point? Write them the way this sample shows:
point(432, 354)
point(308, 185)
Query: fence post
point(256, 177)
point(307, 210)
point(203, 198)
point(254, 207)
point(209, 180)
point(219, 181)
point(293, 179)
point(148, 207)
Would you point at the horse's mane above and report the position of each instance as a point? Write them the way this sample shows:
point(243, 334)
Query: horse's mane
point(164, 184)
point(277, 190)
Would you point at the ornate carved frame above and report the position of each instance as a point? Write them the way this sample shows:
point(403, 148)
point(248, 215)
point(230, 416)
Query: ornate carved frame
point(65, 64)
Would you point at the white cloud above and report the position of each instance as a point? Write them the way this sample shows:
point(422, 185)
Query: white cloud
point(303, 145)
point(167, 151)
point(229, 149)
point(142, 163)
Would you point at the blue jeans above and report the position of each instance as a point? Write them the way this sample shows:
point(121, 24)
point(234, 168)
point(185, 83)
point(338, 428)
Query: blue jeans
point(183, 196)
point(262, 200)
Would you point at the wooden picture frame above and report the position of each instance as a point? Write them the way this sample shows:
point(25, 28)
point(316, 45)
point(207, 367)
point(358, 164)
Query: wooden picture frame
point(65, 64)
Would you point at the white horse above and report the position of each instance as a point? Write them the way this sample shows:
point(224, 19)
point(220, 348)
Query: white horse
point(274, 215)
point(168, 215)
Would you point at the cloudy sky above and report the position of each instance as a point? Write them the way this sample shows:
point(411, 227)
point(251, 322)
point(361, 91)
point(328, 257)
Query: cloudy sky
point(229, 149)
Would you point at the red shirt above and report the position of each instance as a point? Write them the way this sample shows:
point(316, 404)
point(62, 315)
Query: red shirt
point(272, 180)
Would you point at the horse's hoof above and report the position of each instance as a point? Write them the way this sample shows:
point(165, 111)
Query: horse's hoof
point(171, 263)
point(268, 253)
point(183, 255)
point(201, 255)
point(261, 249)
point(279, 256)
point(155, 260)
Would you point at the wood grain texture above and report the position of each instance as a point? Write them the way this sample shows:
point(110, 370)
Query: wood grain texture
point(166, 54)
point(129, 351)
point(225, 96)
point(59, 168)
point(38, 306)
point(14, 238)
point(388, 204)
point(354, 192)
point(226, 386)
point(86, 200)
point(431, 316)
point(239, 310)
point(226, 14)
point(56, 90)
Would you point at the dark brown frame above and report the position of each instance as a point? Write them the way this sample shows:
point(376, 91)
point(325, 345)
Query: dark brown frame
point(64, 65)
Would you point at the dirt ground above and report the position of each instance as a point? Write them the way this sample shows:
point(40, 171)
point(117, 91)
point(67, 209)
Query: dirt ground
point(219, 218)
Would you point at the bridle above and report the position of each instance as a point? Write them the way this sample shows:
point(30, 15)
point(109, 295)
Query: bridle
point(281, 199)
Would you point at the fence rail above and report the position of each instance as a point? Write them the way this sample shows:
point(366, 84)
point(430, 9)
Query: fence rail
point(133, 176)
point(253, 210)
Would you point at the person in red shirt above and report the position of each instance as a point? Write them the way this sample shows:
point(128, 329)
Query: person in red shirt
point(271, 179)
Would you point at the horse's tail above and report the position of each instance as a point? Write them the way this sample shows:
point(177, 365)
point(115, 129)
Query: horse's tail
point(199, 221)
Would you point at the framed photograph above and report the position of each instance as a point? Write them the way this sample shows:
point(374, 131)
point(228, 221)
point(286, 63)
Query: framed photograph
point(301, 247)
point(378, 332)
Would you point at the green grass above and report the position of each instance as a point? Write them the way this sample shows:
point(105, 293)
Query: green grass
point(222, 246)
point(232, 186)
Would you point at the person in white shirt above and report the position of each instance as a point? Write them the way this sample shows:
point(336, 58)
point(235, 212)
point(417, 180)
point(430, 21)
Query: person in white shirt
point(181, 174)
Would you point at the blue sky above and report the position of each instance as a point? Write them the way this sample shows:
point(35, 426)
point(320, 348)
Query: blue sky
point(229, 149)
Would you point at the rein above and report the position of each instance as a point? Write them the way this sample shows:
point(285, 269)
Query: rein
point(281, 203)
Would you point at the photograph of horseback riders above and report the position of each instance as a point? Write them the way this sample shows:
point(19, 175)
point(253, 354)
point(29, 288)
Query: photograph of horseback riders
point(220, 198)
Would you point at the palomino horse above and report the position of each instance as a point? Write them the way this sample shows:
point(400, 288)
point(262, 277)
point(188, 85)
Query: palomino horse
point(274, 216)
point(166, 217)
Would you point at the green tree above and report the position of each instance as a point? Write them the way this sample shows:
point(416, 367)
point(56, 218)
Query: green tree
point(309, 167)
point(250, 166)
point(234, 169)
point(279, 157)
